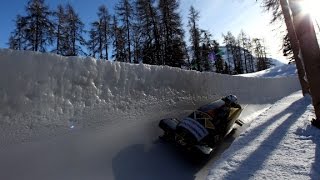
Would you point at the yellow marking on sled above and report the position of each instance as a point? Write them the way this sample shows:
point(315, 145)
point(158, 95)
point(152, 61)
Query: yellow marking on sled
point(209, 124)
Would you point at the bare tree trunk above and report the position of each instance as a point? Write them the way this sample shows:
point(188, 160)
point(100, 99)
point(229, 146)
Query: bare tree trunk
point(100, 40)
point(58, 39)
point(295, 46)
point(129, 40)
point(106, 30)
point(309, 49)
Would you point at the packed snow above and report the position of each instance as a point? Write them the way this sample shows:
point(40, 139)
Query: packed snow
point(79, 118)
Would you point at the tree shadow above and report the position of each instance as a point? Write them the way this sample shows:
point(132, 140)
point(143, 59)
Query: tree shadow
point(312, 133)
point(254, 162)
point(257, 131)
point(315, 173)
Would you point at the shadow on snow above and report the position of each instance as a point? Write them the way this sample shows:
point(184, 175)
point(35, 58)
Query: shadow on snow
point(312, 133)
point(258, 157)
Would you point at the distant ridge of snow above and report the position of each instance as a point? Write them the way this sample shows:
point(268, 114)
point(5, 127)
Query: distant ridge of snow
point(43, 94)
point(285, 70)
point(276, 62)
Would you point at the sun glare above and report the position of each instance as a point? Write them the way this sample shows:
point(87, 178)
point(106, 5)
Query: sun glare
point(312, 7)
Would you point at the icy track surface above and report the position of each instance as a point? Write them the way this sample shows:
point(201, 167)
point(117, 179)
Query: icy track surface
point(78, 118)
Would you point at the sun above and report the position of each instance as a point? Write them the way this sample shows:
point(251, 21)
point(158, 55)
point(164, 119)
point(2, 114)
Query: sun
point(312, 7)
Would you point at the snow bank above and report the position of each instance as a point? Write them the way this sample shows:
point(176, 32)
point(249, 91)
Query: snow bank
point(46, 94)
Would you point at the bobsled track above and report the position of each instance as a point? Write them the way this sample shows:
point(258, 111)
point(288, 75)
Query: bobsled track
point(78, 118)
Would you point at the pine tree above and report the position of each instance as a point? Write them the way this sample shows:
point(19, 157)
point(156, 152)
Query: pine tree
point(226, 41)
point(274, 7)
point(17, 39)
point(249, 56)
point(125, 12)
point(74, 39)
point(154, 15)
point(243, 39)
point(195, 38)
point(210, 55)
point(219, 62)
point(237, 57)
point(137, 43)
point(207, 54)
point(12, 43)
point(287, 49)
point(94, 41)
point(118, 35)
point(147, 29)
point(172, 42)
point(231, 46)
point(226, 68)
point(60, 33)
point(40, 28)
point(260, 51)
point(99, 34)
point(104, 20)
point(137, 35)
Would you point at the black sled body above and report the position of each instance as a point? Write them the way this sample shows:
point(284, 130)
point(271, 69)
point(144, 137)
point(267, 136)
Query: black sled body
point(203, 129)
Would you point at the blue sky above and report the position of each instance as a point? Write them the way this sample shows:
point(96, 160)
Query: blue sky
point(217, 16)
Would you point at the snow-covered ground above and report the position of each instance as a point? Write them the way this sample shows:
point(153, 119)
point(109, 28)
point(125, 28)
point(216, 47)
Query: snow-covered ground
point(78, 118)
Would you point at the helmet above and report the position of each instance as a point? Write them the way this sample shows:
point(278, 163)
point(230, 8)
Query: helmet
point(230, 99)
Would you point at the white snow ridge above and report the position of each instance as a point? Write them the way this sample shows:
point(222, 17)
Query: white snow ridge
point(79, 118)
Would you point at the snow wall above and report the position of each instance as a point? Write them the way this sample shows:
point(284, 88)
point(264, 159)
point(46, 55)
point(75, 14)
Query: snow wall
point(47, 94)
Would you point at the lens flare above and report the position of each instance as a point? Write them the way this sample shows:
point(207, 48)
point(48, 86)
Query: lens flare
point(311, 7)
